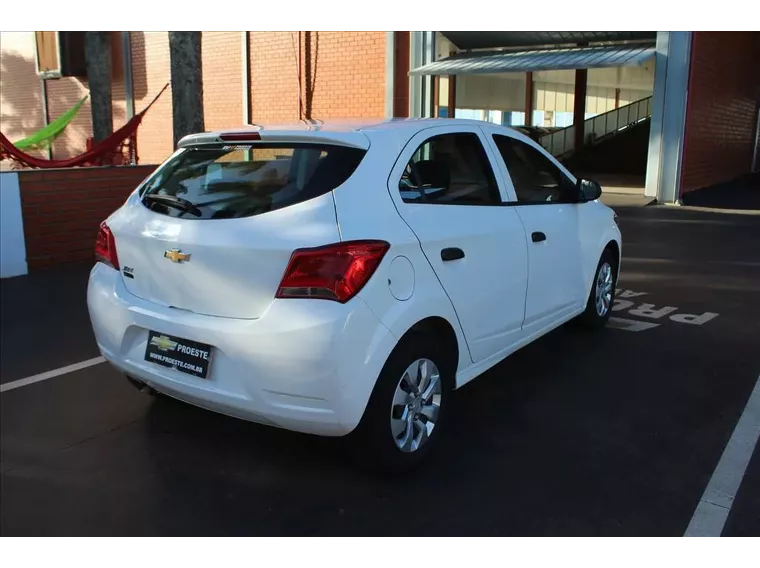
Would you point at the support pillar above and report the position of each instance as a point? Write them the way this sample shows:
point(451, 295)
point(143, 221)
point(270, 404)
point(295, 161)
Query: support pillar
point(529, 98)
point(97, 51)
point(421, 52)
point(187, 83)
point(671, 78)
point(129, 95)
point(45, 116)
point(436, 96)
point(452, 96)
point(579, 106)
point(401, 79)
point(416, 59)
point(308, 74)
point(390, 73)
point(246, 76)
point(428, 86)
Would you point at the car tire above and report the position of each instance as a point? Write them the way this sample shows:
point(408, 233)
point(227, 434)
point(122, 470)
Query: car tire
point(383, 440)
point(598, 305)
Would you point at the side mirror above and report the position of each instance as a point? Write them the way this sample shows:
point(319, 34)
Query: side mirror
point(588, 190)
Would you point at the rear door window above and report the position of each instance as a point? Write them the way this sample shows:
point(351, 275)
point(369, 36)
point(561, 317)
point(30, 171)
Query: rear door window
point(223, 182)
point(451, 169)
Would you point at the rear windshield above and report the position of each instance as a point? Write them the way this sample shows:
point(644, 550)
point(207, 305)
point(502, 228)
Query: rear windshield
point(224, 182)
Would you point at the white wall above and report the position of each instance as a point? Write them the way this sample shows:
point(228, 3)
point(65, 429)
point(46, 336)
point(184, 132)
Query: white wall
point(640, 77)
point(20, 107)
point(492, 92)
point(553, 91)
point(12, 246)
point(560, 97)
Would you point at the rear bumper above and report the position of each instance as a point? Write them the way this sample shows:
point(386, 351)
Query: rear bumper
point(305, 365)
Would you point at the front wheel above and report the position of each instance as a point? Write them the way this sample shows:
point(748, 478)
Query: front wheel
point(602, 294)
point(403, 419)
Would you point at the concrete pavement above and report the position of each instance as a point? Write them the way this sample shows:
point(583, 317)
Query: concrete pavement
point(615, 433)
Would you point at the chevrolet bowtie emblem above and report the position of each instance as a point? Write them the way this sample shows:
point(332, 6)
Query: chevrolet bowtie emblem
point(175, 255)
point(163, 343)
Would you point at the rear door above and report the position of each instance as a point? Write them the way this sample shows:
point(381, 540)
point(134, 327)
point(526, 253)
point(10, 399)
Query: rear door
point(546, 201)
point(213, 230)
point(445, 188)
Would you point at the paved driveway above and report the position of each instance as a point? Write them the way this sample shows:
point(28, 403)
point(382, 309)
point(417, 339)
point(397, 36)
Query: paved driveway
point(617, 433)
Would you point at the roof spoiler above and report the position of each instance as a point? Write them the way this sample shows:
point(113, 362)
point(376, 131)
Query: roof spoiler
point(255, 135)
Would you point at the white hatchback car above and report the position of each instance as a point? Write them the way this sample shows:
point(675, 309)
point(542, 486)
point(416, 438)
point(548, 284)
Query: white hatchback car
point(343, 278)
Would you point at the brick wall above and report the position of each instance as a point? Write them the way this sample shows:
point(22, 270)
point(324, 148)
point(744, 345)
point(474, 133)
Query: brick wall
point(21, 112)
point(348, 74)
point(221, 54)
point(274, 76)
point(346, 78)
point(20, 89)
point(63, 93)
point(222, 79)
point(150, 72)
point(62, 209)
point(721, 113)
point(342, 76)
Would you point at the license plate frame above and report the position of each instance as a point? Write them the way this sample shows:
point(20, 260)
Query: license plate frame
point(184, 355)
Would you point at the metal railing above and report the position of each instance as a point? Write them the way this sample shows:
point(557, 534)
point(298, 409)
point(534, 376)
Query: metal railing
point(561, 142)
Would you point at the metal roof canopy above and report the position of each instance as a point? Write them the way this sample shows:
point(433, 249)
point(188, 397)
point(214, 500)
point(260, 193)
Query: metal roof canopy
point(593, 57)
point(494, 40)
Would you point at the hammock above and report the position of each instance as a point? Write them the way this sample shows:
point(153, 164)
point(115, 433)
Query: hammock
point(120, 148)
point(44, 136)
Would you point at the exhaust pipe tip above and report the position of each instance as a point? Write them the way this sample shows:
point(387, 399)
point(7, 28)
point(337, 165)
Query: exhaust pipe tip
point(141, 386)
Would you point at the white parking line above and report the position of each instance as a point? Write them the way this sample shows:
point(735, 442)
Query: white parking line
point(712, 510)
point(51, 374)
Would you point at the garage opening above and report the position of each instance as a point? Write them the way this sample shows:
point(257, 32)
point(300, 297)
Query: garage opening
point(586, 97)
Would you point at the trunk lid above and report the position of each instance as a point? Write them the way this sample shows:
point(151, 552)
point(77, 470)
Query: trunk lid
point(218, 238)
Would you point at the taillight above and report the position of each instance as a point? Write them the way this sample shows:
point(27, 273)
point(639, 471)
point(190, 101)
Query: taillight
point(333, 272)
point(105, 247)
point(240, 137)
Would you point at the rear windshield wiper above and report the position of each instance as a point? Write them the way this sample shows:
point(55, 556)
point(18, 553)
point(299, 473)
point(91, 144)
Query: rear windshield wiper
point(173, 201)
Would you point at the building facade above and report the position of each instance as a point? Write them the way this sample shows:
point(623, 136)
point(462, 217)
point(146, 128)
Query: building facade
point(695, 96)
point(268, 76)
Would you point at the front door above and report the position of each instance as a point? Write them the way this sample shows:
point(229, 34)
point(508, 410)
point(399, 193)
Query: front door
point(548, 208)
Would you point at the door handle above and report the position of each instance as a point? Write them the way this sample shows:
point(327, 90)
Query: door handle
point(537, 237)
point(451, 254)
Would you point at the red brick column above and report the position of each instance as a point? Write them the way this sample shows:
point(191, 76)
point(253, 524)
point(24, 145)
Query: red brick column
point(724, 91)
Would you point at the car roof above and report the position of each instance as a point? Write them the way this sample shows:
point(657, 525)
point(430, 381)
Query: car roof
point(361, 124)
point(354, 132)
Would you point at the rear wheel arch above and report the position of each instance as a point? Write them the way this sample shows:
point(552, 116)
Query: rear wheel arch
point(443, 332)
point(432, 338)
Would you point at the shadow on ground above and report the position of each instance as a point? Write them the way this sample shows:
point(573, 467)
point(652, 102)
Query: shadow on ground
point(741, 194)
